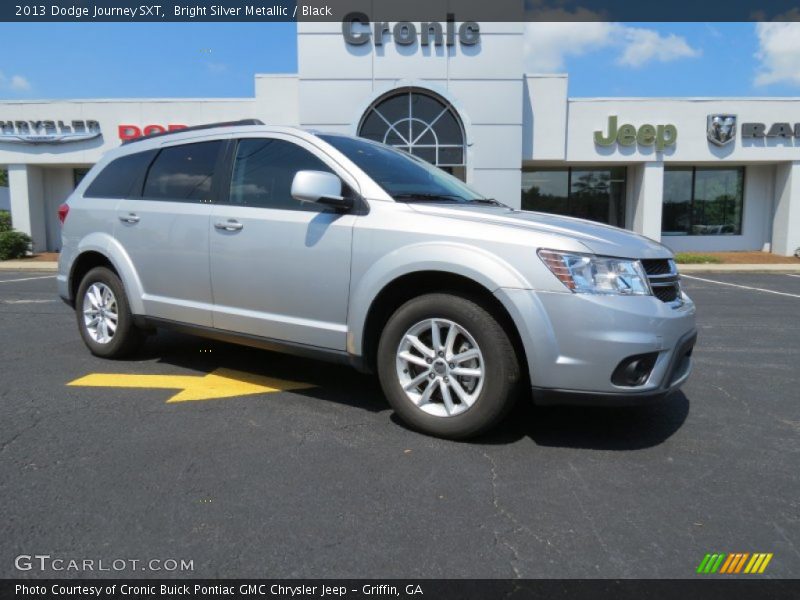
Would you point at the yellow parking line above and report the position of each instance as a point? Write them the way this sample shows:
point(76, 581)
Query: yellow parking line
point(221, 383)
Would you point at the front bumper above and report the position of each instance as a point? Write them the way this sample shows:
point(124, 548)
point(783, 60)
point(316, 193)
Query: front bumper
point(677, 373)
point(574, 342)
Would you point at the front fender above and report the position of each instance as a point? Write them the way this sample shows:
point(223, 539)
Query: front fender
point(108, 246)
point(470, 262)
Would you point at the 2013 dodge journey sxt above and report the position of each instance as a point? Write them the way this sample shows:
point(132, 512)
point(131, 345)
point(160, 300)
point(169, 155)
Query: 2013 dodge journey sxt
point(338, 247)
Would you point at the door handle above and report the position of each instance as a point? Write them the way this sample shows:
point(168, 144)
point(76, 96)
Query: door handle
point(129, 218)
point(229, 225)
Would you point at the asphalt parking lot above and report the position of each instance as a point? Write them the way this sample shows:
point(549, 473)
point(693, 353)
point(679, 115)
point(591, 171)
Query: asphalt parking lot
point(323, 481)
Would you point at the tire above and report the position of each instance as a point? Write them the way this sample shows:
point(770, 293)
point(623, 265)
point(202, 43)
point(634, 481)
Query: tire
point(122, 340)
point(489, 378)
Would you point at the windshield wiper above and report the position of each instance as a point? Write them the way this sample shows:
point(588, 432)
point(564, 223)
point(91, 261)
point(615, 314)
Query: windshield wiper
point(426, 197)
point(491, 201)
point(423, 197)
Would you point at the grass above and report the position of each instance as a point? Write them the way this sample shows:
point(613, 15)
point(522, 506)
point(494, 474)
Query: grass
point(689, 258)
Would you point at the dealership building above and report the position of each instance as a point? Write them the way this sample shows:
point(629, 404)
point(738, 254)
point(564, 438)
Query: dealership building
point(699, 174)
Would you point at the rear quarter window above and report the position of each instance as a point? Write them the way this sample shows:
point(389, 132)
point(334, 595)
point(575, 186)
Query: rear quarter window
point(119, 177)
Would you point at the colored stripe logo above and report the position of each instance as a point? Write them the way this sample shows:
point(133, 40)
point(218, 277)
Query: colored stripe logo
point(734, 563)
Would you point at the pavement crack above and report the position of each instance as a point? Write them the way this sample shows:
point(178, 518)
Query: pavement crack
point(589, 517)
point(5, 444)
point(506, 515)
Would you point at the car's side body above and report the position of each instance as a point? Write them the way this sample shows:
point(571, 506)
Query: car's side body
point(309, 281)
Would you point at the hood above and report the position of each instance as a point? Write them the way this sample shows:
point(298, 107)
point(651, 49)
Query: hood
point(598, 238)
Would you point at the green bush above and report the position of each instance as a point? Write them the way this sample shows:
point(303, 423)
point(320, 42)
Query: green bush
point(14, 244)
point(687, 258)
point(5, 221)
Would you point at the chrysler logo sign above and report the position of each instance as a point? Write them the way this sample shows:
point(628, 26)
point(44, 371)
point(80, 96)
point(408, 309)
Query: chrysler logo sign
point(48, 132)
point(721, 129)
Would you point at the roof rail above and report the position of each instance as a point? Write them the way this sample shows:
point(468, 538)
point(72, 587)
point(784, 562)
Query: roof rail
point(195, 128)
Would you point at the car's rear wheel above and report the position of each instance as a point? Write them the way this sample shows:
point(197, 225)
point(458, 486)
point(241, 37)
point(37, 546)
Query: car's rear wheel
point(104, 316)
point(447, 366)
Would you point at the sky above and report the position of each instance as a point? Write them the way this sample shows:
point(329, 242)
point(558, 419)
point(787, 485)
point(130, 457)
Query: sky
point(141, 60)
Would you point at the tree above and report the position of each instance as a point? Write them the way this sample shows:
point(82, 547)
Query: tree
point(591, 184)
point(3, 178)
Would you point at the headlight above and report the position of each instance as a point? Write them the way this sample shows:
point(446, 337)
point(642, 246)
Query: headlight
point(589, 274)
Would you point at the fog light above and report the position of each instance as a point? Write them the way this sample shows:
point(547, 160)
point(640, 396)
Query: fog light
point(634, 370)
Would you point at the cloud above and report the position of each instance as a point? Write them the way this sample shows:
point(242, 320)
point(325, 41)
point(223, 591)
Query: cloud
point(778, 53)
point(15, 83)
point(548, 44)
point(19, 83)
point(645, 45)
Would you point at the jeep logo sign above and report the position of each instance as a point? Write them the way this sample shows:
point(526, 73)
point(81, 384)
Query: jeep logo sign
point(660, 136)
point(357, 31)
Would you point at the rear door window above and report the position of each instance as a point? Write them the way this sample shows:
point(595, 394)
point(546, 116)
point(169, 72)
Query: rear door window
point(183, 173)
point(119, 177)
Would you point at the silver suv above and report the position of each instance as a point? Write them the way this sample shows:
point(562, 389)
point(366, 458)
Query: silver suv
point(336, 247)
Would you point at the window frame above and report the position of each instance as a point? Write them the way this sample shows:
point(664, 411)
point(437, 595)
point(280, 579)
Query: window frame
point(693, 169)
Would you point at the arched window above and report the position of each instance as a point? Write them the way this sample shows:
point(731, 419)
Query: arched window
point(418, 122)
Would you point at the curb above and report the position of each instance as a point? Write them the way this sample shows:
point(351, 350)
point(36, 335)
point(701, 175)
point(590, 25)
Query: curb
point(762, 268)
point(29, 265)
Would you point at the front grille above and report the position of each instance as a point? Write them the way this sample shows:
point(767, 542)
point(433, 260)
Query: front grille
point(664, 278)
point(657, 266)
point(667, 293)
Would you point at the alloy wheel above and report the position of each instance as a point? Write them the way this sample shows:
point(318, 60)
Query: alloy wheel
point(440, 367)
point(100, 313)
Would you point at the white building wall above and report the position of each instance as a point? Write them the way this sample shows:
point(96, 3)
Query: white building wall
point(544, 125)
point(5, 198)
point(786, 220)
point(277, 100)
point(483, 82)
point(27, 203)
point(645, 203)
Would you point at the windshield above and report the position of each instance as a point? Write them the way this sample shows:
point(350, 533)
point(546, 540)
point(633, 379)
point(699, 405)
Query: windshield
point(404, 177)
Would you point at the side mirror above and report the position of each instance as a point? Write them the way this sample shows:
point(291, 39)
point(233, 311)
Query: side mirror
point(320, 187)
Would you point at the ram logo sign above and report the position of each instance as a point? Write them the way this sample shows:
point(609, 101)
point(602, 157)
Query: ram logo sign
point(721, 129)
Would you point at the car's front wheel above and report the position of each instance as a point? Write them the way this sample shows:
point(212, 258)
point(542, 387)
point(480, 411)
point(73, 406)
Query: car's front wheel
point(447, 366)
point(104, 316)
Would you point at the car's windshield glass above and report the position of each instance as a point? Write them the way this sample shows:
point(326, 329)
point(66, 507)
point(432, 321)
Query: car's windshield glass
point(404, 177)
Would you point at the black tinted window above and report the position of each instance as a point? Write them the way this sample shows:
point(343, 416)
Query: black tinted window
point(119, 176)
point(264, 170)
point(183, 172)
